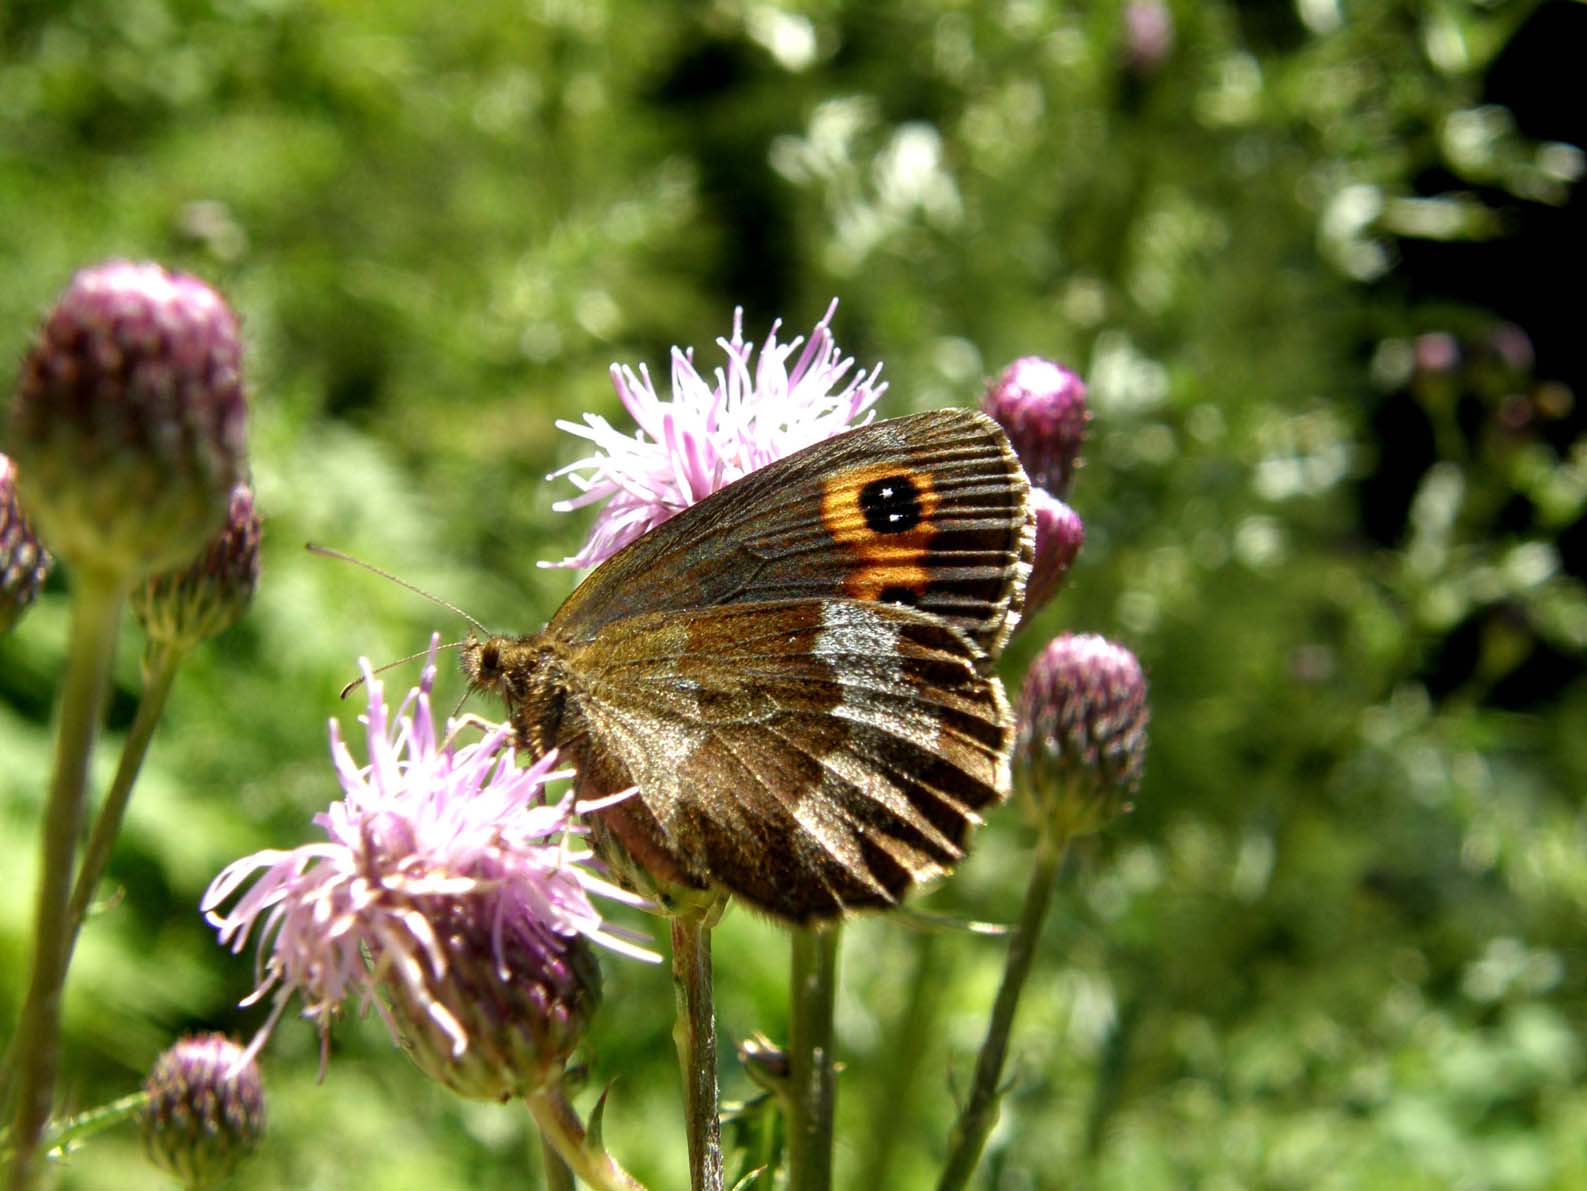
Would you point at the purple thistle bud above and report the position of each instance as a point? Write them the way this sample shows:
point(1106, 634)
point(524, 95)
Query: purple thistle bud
point(23, 562)
point(205, 1112)
point(129, 421)
point(1042, 407)
point(1081, 742)
point(1148, 36)
point(1059, 535)
point(181, 608)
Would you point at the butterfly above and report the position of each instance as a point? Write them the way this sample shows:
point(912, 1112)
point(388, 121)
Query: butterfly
point(795, 673)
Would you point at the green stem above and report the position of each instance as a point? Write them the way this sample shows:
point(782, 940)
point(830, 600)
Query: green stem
point(979, 1112)
point(814, 970)
point(562, 1130)
point(96, 614)
point(557, 1175)
point(695, 1036)
point(159, 672)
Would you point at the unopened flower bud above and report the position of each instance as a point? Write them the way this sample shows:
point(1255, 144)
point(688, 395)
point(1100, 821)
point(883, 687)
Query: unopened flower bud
point(129, 421)
point(1081, 742)
point(205, 1113)
point(1042, 408)
point(494, 1028)
point(179, 609)
point(23, 562)
point(1059, 535)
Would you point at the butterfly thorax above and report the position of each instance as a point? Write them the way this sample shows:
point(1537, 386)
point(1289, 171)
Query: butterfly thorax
point(522, 672)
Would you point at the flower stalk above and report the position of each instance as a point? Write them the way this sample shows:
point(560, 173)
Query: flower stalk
point(980, 1109)
point(96, 614)
point(562, 1130)
point(160, 667)
point(695, 1036)
point(814, 979)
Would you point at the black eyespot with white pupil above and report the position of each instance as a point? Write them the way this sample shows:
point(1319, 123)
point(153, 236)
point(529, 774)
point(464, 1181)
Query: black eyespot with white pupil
point(891, 504)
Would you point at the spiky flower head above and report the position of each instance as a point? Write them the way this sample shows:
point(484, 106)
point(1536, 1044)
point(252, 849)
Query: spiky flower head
point(23, 562)
point(1042, 407)
point(1081, 741)
point(205, 1111)
point(129, 421)
point(178, 609)
point(710, 434)
point(1059, 535)
point(447, 894)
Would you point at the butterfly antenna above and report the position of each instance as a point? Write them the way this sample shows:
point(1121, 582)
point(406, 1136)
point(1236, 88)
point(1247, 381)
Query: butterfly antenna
point(315, 548)
point(412, 657)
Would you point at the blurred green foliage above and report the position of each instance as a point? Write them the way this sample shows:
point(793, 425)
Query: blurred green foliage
point(1339, 943)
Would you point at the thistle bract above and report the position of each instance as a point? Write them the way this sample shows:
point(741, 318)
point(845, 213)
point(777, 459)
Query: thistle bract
point(206, 1110)
point(129, 421)
point(181, 608)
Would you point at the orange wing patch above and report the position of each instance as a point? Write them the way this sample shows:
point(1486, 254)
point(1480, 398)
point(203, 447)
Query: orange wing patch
point(885, 515)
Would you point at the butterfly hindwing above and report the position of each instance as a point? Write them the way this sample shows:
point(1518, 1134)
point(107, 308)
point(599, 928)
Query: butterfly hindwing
point(828, 754)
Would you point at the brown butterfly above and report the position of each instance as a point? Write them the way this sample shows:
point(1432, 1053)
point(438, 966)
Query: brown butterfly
point(796, 672)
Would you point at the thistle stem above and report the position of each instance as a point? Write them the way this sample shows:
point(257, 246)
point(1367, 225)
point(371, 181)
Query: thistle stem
point(979, 1113)
point(557, 1175)
point(562, 1130)
point(813, 992)
point(159, 670)
point(695, 1036)
point(96, 614)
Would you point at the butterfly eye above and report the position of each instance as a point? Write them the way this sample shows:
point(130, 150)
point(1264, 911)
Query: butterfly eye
point(489, 661)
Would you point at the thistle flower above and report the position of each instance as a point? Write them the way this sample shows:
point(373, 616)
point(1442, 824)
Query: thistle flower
point(23, 562)
point(446, 894)
point(178, 609)
point(1059, 535)
point(129, 420)
point(1081, 742)
point(205, 1111)
point(1042, 407)
point(708, 435)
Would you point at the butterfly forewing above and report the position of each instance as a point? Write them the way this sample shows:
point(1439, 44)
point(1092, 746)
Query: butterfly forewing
point(812, 756)
point(929, 511)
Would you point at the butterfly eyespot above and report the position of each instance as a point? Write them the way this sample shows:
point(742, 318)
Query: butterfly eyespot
point(898, 594)
point(891, 504)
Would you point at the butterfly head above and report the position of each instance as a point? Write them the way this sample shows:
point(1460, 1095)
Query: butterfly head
point(516, 670)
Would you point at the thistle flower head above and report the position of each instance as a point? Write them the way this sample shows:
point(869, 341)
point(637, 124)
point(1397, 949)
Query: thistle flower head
point(179, 609)
point(1081, 740)
point(1059, 535)
point(1042, 407)
point(710, 434)
point(129, 420)
point(23, 562)
point(446, 894)
point(205, 1111)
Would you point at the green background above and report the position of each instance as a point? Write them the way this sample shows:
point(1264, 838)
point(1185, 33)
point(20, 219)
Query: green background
point(1338, 944)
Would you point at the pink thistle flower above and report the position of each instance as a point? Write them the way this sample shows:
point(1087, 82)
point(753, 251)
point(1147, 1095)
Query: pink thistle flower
point(709, 435)
point(448, 885)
